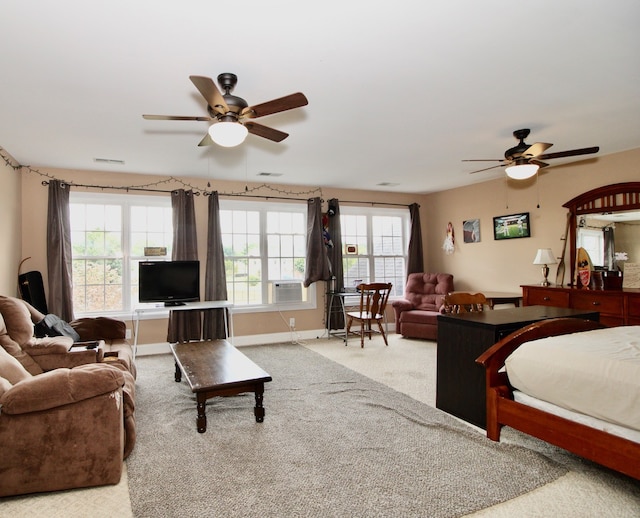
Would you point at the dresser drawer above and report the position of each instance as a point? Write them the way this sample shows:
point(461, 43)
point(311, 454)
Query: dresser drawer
point(633, 305)
point(611, 320)
point(597, 302)
point(542, 297)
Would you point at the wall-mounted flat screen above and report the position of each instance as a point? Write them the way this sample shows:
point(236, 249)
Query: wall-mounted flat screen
point(512, 226)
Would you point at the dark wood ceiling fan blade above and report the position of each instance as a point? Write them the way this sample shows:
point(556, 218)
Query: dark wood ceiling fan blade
point(535, 149)
point(206, 141)
point(210, 92)
point(266, 132)
point(174, 118)
point(288, 102)
point(487, 168)
point(572, 152)
point(483, 160)
point(538, 163)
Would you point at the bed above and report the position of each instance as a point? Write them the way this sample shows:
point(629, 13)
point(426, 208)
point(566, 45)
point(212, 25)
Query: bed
point(605, 439)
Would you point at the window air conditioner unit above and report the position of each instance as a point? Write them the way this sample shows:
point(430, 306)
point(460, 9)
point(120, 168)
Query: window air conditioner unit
point(287, 291)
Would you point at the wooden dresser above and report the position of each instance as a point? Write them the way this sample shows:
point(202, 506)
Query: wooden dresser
point(616, 307)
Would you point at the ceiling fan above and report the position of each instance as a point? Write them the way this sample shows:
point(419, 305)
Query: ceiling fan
point(524, 160)
point(231, 115)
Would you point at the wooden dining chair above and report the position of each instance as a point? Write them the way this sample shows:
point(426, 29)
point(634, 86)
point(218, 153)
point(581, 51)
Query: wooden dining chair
point(373, 301)
point(463, 302)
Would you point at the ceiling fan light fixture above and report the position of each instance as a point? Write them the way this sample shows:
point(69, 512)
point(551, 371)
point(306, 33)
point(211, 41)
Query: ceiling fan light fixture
point(228, 134)
point(521, 171)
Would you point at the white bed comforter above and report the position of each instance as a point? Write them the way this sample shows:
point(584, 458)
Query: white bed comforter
point(596, 373)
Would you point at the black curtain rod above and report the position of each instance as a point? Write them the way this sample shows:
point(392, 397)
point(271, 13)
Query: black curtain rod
point(121, 188)
point(264, 196)
point(197, 193)
point(240, 195)
point(376, 203)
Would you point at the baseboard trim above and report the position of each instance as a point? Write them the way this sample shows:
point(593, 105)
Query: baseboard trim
point(240, 341)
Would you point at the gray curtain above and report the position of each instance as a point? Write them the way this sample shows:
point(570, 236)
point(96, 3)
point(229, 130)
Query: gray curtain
point(317, 267)
point(215, 281)
point(415, 260)
point(609, 248)
point(336, 317)
point(184, 325)
point(59, 266)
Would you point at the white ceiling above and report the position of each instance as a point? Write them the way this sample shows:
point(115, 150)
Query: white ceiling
point(398, 92)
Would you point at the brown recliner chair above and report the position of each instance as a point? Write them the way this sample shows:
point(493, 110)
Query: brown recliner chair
point(55, 352)
point(38, 356)
point(60, 429)
point(417, 313)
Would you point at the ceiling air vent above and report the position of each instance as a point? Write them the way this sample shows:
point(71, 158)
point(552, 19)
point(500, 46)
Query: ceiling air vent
point(108, 161)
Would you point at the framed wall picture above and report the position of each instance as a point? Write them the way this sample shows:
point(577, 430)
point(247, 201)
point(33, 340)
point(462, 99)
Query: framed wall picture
point(631, 275)
point(512, 226)
point(471, 231)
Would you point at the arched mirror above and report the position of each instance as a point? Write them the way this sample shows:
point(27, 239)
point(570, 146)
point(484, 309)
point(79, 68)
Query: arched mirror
point(606, 222)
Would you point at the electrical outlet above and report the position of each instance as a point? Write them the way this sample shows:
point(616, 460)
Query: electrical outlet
point(292, 323)
point(127, 334)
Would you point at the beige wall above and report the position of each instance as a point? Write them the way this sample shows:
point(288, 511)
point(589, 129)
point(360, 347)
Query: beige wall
point(10, 219)
point(34, 199)
point(487, 265)
point(505, 265)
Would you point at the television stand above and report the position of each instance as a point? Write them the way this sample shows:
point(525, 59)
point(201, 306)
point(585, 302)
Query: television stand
point(173, 304)
point(186, 306)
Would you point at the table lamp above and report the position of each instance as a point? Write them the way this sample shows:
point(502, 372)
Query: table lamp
point(545, 257)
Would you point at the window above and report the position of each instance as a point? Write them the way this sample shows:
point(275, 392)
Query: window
point(375, 242)
point(109, 233)
point(593, 242)
point(264, 246)
point(263, 243)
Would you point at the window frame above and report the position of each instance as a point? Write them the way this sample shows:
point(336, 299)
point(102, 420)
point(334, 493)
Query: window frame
point(125, 202)
point(586, 234)
point(370, 213)
point(263, 207)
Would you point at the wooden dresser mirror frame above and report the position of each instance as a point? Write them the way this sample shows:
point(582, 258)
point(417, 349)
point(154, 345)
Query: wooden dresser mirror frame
point(617, 197)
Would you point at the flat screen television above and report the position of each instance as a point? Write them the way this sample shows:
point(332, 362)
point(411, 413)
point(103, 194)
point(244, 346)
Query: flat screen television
point(170, 282)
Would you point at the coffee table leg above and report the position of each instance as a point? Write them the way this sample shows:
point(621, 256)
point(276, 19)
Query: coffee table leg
point(258, 410)
point(201, 421)
point(178, 375)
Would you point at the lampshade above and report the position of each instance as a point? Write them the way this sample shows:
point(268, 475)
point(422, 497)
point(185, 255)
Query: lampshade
point(228, 134)
point(522, 171)
point(544, 256)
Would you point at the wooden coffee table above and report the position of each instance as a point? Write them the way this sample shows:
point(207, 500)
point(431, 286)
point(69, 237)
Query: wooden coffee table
point(217, 368)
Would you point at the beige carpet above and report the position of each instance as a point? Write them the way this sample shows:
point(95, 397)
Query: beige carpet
point(94, 502)
point(409, 367)
point(334, 443)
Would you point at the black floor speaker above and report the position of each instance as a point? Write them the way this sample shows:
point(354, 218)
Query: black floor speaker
point(32, 290)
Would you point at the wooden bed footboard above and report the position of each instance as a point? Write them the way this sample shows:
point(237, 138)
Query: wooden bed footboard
point(606, 449)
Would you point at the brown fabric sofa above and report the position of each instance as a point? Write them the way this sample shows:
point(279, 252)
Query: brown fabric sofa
point(66, 416)
point(53, 352)
point(417, 313)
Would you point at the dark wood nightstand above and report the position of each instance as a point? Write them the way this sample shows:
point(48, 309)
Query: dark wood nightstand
point(460, 383)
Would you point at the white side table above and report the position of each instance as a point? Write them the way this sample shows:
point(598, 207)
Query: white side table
point(187, 306)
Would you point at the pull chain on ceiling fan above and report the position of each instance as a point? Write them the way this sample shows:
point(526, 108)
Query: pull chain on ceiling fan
point(523, 160)
point(231, 115)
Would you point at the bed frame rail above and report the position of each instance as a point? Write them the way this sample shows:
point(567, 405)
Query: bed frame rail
point(606, 449)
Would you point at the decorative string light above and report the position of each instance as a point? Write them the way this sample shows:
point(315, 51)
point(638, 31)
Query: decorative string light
point(248, 192)
point(283, 194)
